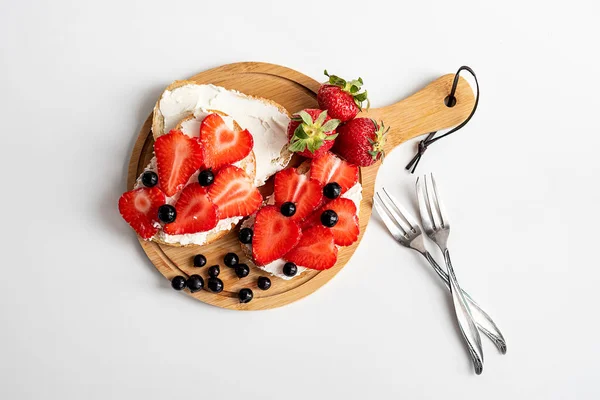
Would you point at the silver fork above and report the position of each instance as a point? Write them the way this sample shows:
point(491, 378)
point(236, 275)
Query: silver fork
point(437, 227)
point(404, 228)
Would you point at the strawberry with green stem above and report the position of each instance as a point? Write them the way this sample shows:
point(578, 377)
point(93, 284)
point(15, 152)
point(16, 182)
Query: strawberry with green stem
point(361, 141)
point(311, 132)
point(342, 99)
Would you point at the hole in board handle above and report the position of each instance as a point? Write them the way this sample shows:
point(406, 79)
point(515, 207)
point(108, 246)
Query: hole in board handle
point(450, 101)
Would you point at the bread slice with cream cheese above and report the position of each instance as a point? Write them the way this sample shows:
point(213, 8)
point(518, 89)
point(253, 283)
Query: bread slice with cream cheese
point(266, 120)
point(190, 125)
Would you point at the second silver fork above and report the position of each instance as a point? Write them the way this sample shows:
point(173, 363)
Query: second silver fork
point(405, 230)
point(437, 227)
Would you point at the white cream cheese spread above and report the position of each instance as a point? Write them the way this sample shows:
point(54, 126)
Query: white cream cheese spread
point(266, 122)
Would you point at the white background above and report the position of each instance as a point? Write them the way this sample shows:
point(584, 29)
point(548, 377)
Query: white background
point(84, 315)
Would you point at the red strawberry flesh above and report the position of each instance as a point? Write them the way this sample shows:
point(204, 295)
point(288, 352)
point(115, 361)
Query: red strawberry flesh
point(234, 194)
point(329, 168)
point(178, 156)
point(316, 249)
point(274, 235)
point(223, 145)
point(299, 189)
point(346, 230)
point(139, 208)
point(195, 212)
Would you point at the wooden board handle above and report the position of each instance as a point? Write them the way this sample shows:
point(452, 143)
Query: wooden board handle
point(425, 111)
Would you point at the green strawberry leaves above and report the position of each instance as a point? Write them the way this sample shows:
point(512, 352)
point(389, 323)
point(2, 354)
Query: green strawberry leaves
point(312, 134)
point(335, 80)
point(306, 118)
point(297, 146)
point(329, 125)
point(300, 133)
point(352, 87)
point(320, 119)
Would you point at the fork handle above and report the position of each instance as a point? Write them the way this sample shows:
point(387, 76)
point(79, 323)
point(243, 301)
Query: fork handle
point(464, 318)
point(483, 321)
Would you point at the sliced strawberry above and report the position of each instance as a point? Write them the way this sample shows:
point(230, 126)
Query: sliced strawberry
point(233, 193)
point(316, 249)
point(329, 168)
point(346, 231)
point(304, 192)
point(178, 156)
point(274, 235)
point(139, 208)
point(222, 145)
point(195, 212)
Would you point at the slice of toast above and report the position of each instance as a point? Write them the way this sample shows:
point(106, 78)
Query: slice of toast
point(276, 267)
point(266, 120)
point(190, 125)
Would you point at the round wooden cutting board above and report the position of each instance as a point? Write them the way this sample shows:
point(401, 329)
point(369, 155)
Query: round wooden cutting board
point(423, 112)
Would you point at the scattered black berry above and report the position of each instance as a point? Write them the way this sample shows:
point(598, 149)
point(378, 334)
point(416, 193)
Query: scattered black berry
point(231, 259)
point(246, 235)
point(214, 271)
point(332, 190)
point(290, 269)
point(167, 213)
point(195, 283)
point(288, 209)
point(206, 177)
point(199, 260)
point(178, 283)
point(215, 285)
point(149, 179)
point(263, 283)
point(245, 295)
point(329, 218)
point(242, 270)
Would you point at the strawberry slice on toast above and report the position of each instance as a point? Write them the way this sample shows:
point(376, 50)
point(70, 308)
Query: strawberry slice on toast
point(139, 208)
point(346, 230)
point(316, 249)
point(222, 145)
point(195, 212)
point(234, 194)
point(304, 192)
point(178, 156)
point(274, 235)
point(329, 168)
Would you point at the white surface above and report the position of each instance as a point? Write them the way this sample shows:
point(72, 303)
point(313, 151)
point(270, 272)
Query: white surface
point(85, 315)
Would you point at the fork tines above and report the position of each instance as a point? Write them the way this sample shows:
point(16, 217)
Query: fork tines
point(395, 217)
point(433, 214)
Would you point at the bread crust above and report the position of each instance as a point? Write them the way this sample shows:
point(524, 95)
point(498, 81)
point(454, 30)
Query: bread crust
point(158, 121)
point(209, 239)
point(247, 252)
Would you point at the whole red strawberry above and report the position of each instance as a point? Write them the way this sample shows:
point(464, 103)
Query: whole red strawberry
point(361, 141)
point(311, 132)
point(342, 100)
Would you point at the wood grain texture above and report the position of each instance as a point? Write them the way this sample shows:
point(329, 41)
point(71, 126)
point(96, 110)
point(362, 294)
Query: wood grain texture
point(416, 115)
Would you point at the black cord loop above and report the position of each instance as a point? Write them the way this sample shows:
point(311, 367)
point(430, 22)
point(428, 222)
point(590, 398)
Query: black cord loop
point(450, 102)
